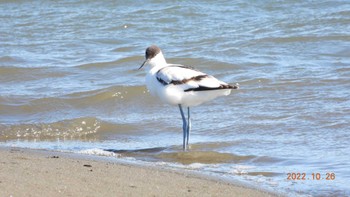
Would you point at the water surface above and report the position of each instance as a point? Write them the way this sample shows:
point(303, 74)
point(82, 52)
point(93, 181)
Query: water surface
point(69, 82)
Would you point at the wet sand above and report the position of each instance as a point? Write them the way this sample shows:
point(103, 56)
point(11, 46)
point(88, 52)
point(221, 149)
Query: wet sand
point(43, 173)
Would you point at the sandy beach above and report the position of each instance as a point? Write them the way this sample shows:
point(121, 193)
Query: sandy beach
point(44, 173)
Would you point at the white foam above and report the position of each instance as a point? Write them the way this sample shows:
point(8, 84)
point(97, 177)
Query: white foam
point(100, 152)
point(196, 166)
point(241, 169)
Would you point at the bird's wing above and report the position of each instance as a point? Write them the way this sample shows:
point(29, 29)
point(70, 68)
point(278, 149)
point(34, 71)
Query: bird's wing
point(188, 78)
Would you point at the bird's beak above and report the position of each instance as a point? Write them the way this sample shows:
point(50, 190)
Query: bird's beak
point(143, 64)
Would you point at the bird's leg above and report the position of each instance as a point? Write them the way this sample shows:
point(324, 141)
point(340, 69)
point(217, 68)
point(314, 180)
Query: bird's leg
point(188, 125)
point(184, 127)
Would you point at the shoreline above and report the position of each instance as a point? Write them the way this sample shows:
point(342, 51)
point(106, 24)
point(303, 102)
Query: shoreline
point(35, 172)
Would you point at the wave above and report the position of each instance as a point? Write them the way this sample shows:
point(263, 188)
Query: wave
point(16, 74)
point(76, 100)
point(10, 59)
point(82, 128)
point(121, 61)
point(75, 128)
point(106, 102)
point(122, 93)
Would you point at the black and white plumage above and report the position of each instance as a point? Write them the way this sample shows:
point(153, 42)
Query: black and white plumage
point(181, 85)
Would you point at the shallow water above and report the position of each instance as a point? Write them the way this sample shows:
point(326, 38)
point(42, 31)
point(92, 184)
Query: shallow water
point(69, 82)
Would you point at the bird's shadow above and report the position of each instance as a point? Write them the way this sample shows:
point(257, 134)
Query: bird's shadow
point(140, 151)
point(176, 154)
point(146, 154)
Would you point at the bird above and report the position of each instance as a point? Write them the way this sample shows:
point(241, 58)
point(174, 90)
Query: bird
point(181, 85)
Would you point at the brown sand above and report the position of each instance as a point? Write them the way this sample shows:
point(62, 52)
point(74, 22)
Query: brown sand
point(44, 173)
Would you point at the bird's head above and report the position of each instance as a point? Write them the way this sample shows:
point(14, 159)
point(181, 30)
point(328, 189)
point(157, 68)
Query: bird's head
point(154, 57)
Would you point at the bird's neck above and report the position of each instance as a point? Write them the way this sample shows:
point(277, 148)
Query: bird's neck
point(158, 61)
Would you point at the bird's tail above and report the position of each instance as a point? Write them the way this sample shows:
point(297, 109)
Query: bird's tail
point(236, 86)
